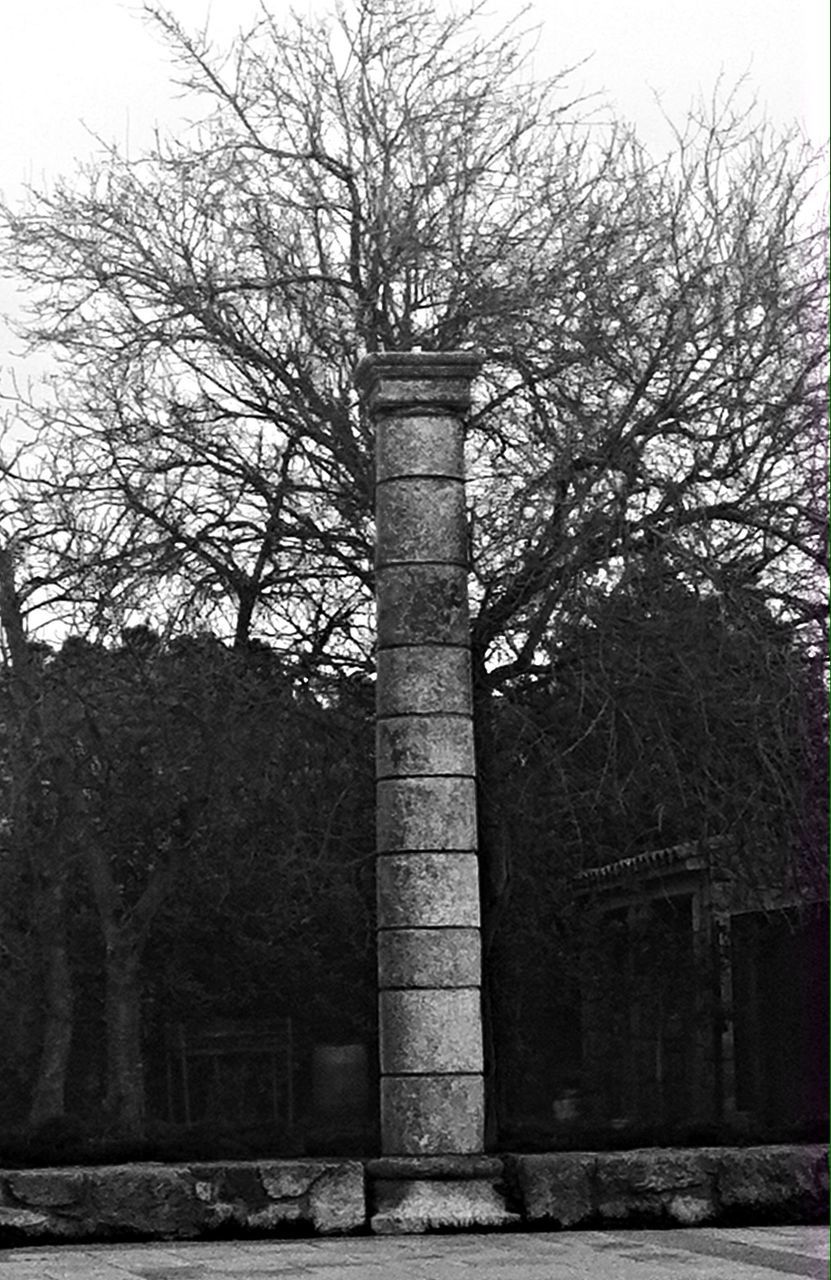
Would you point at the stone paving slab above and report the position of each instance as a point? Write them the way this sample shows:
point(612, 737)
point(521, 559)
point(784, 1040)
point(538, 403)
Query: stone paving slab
point(752, 1253)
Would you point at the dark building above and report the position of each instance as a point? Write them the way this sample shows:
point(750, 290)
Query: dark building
point(703, 1004)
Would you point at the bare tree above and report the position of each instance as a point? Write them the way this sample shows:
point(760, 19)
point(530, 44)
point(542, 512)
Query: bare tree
point(385, 179)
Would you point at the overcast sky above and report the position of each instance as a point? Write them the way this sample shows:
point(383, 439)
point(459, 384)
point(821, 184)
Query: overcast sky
point(69, 68)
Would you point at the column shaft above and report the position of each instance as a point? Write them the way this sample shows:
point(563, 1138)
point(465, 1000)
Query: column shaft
point(429, 966)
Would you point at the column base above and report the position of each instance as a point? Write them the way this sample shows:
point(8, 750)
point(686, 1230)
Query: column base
point(414, 1205)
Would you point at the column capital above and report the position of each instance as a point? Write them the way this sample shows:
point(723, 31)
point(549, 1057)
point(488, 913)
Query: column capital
point(418, 380)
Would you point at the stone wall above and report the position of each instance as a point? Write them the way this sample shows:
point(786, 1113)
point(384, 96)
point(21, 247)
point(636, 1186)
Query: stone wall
point(322, 1197)
point(678, 1187)
point(336, 1197)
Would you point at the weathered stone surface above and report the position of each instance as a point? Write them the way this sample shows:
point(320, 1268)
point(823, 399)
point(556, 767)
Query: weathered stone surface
point(428, 890)
point(271, 1218)
point(288, 1180)
point(409, 379)
point(763, 1184)
point(421, 392)
point(422, 604)
point(23, 1222)
point(691, 1210)
point(430, 1031)
point(432, 1115)
point(426, 813)
point(236, 1183)
point(47, 1187)
point(412, 1207)
point(412, 746)
point(786, 1180)
point(421, 520)
point(169, 1201)
point(431, 1168)
point(423, 680)
point(556, 1188)
point(426, 445)
point(328, 1195)
point(151, 1200)
point(688, 1187)
point(426, 795)
point(337, 1201)
point(656, 1169)
point(645, 1184)
point(429, 958)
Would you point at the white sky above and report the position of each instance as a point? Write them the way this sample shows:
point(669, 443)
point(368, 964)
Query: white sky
point(68, 66)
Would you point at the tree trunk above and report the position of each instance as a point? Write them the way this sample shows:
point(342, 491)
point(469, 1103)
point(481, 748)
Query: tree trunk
point(124, 1104)
point(125, 935)
point(49, 1093)
point(245, 614)
point(26, 739)
point(494, 872)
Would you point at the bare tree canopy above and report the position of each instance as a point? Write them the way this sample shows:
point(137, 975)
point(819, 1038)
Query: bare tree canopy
point(384, 178)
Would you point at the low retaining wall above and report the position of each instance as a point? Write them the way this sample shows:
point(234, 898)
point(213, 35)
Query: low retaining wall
point(336, 1197)
point(324, 1197)
point(674, 1187)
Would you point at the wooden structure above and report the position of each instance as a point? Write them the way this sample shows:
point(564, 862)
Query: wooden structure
point(232, 1070)
point(702, 1000)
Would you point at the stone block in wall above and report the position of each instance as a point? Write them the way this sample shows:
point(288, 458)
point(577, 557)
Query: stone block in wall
point(48, 1188)
point(148, 1200)
point(783, 1183)
point(234, 1193)
point(555, 1188)
point(336, 1199)
point(263, 1196)
point(654, 1185)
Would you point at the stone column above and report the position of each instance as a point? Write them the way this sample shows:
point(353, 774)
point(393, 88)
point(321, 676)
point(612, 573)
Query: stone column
point(432, 1090)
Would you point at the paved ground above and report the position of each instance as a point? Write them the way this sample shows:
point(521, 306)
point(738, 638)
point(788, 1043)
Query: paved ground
point(755, 1253)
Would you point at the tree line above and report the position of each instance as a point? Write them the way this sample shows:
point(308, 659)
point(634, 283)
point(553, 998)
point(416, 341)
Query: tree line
point(190, 832)
point(190, 838)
